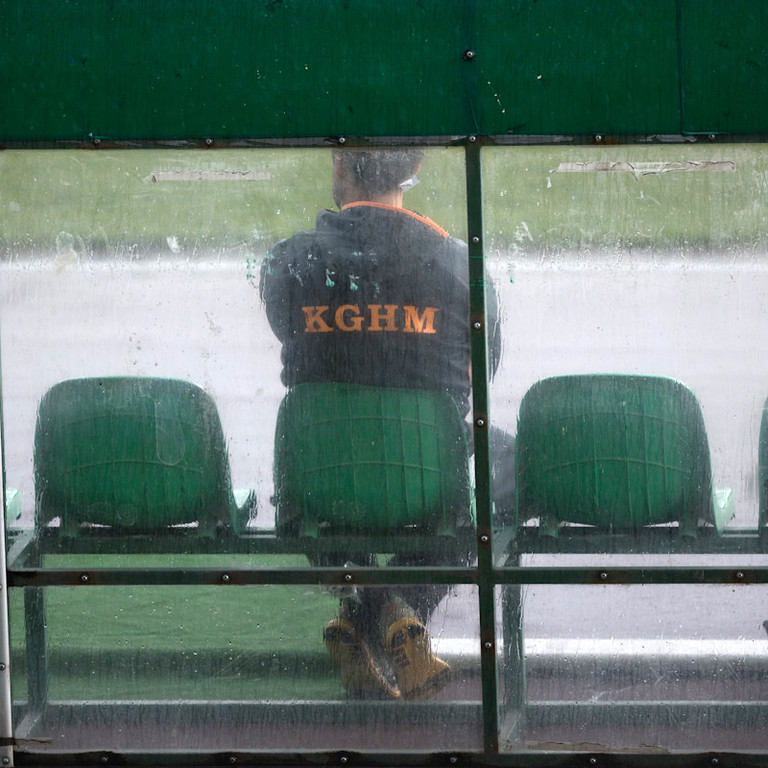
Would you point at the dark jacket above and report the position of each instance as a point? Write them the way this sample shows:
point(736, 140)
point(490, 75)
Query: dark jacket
point(374, 295)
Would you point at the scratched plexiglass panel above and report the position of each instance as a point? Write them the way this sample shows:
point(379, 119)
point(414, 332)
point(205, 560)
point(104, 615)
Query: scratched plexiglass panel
point(638, 668)
point(632, 291)
point(231, 667)
point(186, 293)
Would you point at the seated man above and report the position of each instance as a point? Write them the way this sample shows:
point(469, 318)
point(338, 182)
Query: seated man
point(377, 295)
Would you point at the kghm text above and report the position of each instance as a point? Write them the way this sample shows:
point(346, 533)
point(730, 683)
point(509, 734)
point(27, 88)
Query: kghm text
point(372, 317)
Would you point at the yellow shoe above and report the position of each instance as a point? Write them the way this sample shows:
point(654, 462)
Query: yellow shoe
point(420, 674)
point(359, 674)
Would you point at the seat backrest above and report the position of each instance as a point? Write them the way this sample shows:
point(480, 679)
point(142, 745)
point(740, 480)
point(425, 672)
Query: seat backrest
point(131, 453)
point(613, 451)
point(369, 458)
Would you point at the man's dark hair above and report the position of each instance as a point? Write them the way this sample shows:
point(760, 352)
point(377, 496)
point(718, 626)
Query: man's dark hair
point(380, 170)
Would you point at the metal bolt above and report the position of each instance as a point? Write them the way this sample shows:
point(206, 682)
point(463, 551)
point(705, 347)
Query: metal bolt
point(739, 575)
point(477, 325)
point(347, 577)
point(715, 761)
point(475, 239)
point(469, 55)
point(472, 139)
point(225, 577)
point(480, 423)
point(484, 539)
point(712, 137)
point(104, 759)
point(598, 137)
point(2, 666)
point(487, 645)
point(233, 760)
point(209, 142)
point(342, 140)
point(593, 761)
point(453, 759)
point(84, 578)
point(6, 761)
point(343, 759)
point(603, 575)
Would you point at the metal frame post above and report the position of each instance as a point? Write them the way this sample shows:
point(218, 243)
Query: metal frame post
point(6, 719)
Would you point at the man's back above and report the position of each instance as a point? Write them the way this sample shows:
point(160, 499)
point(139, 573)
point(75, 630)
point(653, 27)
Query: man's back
point(373, 295)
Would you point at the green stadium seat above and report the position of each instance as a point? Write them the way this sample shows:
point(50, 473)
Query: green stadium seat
point(614, 452)
point(351, 458)
point(131, 455)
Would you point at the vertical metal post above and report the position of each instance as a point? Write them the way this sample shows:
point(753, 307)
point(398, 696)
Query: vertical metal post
point(6, 721)
point(480, 410)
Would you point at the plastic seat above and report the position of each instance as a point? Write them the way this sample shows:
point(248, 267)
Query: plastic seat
point(615, 452)
point(131, 454)
point(351, 457)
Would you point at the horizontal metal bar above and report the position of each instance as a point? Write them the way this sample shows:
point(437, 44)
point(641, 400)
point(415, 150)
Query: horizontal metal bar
point(43, 577)
point(510, 140)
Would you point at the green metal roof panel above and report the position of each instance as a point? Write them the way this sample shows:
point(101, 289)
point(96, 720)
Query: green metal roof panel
point(144, 69)
point(606, 66)
point(195, 68)
point(724, 63)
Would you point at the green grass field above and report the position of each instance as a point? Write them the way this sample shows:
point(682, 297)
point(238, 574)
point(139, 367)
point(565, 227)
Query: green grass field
point(182, 642)
point(106, 202)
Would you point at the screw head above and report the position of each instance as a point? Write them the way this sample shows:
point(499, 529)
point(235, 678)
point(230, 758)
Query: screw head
point(598, 137)
point(347, 577)
point(739, 575)
point(84, 578)
point(487, 645)
point(603, 575)
point(484, 539)
point(475, 239)
point(453, 759)
point(2, 666)
point(477, 325)
point(469, 54)
point(342, 140)
point(472, 139)
point(480, 423)
point(225, 577)
point(209, 142)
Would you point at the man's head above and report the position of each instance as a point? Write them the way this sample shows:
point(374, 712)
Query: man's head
point(372, 174)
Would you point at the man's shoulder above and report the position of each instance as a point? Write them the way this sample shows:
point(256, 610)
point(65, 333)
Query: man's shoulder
point(295, 243)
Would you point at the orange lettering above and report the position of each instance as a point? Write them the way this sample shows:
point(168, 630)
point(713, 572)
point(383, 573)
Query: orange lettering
point(356, 321)
point(416, 324)
point(314, 321)
point(377, 316)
